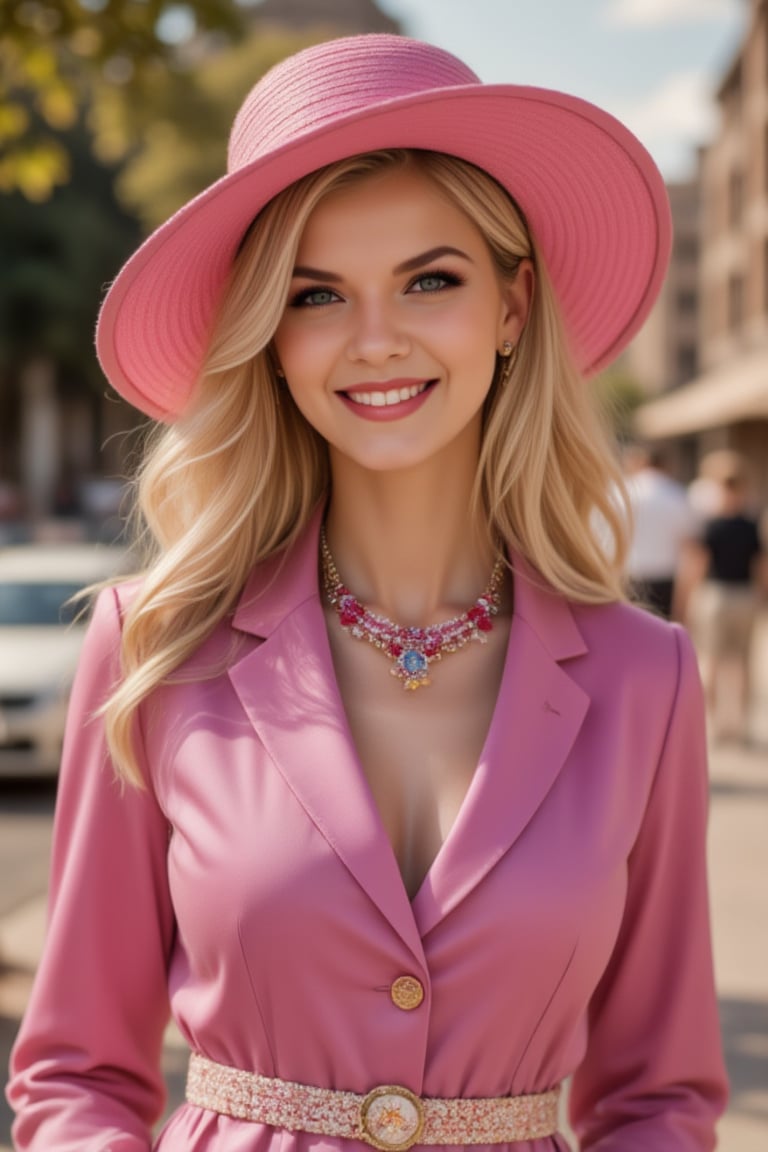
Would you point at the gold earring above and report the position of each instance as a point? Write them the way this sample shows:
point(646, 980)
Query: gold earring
point(508, 355)
point(274, 363)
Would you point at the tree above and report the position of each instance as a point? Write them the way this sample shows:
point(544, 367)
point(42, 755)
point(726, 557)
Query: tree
point(54, 52)
point(111, 141)
point(172, 135)
point(56, 260)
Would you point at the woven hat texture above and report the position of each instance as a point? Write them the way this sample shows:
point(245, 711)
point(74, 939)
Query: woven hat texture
point(591, 194)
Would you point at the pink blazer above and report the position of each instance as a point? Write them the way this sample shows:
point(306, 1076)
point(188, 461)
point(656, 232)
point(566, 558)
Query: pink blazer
point(561, 932)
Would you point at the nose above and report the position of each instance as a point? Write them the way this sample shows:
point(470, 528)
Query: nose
point(377, 335)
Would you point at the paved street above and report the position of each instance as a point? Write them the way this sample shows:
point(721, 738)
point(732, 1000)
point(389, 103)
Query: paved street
point(739, 879)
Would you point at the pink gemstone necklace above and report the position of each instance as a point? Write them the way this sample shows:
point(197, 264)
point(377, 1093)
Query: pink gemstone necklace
point(411, 650)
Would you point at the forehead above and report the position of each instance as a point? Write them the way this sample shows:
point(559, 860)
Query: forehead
point(400, 206)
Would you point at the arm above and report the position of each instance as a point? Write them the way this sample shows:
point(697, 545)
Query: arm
point(653, 1076)
point(85, 1070)
point(694, 562)
point(759, 569)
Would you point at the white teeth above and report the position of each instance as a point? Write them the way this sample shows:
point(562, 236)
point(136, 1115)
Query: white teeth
point(385, 399)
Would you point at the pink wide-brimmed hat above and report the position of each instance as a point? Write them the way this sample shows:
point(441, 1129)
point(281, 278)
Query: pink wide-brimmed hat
point(592, 196)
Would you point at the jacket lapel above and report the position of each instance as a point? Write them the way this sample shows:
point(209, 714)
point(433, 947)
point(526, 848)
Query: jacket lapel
point(538, 714)
point(287, 686)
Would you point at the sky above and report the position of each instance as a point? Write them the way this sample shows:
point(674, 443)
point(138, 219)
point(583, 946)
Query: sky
point(654, 64)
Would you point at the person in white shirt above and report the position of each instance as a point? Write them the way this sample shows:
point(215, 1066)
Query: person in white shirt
point(663, 523)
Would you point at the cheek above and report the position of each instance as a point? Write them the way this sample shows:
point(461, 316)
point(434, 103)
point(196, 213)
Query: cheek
point(472, 329)
point(304, 354)
point(468, 346)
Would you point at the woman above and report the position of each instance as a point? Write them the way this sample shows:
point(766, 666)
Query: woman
point(403, 908)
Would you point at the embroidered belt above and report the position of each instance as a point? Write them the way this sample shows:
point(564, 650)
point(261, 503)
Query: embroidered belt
point(389, 1117)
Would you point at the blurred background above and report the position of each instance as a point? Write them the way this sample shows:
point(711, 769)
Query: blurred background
point(115, 112)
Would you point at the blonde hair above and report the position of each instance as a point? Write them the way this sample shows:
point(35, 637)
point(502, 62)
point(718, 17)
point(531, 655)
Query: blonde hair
point(236, 479)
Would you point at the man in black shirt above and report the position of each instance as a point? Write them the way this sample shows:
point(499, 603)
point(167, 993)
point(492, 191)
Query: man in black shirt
point(724, 606)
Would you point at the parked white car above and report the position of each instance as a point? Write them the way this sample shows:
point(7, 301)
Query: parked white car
point(40, 641)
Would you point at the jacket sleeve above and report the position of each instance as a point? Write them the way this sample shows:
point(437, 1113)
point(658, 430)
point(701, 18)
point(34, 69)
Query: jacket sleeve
point(653, 1076)
point(85, 1069)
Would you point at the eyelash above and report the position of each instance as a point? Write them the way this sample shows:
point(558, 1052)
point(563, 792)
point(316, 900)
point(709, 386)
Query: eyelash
point(450, 280)
point(302, 298)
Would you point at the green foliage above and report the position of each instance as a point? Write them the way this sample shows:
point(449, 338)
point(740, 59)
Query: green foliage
point(54, 52)
point(175, 129)
point(57, 258)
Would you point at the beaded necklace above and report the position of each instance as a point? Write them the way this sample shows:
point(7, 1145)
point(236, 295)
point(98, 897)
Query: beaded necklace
point(411, 650)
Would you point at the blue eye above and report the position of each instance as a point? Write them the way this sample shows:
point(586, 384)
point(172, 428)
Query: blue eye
point(435, 281)
point(313, 298)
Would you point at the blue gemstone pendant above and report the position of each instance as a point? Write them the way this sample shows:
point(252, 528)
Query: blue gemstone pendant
point(412, 667)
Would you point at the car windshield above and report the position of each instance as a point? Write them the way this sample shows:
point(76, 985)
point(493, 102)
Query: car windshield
point(23, 604)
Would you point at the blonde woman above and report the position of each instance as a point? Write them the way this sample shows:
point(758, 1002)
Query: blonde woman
point(372, 776)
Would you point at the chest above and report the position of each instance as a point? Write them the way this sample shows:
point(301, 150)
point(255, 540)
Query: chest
point(281, 853)
point(282, 849)
point(418, 750)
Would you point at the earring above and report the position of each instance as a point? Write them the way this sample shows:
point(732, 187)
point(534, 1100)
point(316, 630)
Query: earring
point(508, 355)
point(274, 363)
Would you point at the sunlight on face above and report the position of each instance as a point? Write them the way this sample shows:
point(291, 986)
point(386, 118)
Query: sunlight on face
point(395, 315)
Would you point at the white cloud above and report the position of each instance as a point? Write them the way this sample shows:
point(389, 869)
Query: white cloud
point(655, 13)
point(682, 104)
point(678, 115)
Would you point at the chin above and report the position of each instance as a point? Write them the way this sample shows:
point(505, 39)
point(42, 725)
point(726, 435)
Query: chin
point(389, 461)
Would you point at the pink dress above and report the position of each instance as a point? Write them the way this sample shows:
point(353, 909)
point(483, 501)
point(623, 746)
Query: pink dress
point(562, 930)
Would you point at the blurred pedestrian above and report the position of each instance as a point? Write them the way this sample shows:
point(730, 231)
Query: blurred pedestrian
point(662, 522)
point(725, 585)
point(705, 493)
point(413, 806)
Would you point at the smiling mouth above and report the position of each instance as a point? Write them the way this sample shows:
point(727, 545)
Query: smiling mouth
point(377, 398)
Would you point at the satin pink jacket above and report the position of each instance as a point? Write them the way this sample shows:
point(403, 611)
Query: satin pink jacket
point(562, 930)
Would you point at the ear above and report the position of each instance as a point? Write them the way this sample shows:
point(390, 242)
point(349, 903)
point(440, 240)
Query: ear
point(517, 295)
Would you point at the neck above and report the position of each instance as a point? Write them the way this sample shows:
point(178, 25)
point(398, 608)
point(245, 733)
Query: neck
point(405, 543)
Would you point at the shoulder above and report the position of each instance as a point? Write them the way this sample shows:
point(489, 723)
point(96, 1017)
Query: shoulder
point(633, 632)
point(99, 662)
point(630, 648)
point(106, 614)
point(615, 650)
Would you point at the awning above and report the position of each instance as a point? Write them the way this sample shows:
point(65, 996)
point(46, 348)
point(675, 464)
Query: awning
point(735, 391)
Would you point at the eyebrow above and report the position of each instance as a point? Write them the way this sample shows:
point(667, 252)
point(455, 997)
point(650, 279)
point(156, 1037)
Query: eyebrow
point(307, 273)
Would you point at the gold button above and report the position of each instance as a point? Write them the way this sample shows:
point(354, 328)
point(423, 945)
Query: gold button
point(407, 993)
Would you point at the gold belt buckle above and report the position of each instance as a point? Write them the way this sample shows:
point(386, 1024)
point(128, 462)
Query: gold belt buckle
point(391, 1118)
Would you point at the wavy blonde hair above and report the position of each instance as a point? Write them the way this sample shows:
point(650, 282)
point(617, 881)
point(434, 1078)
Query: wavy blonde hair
point(237, 477)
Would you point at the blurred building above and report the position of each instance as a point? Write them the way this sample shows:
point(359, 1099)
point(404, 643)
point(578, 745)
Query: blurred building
point(724, 402)
point(664, 354)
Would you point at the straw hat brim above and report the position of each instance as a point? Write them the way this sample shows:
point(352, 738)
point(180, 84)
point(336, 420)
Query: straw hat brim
point(593, 198)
